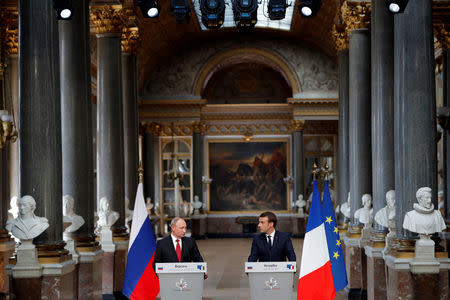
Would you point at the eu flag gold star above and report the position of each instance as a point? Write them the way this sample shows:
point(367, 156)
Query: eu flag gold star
point(338, 243)
point(329, 220)
point(336, 230)
point(335, 255)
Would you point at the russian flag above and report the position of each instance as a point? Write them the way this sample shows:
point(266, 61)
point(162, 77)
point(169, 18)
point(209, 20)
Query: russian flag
point(140, 279)
point(316, 279)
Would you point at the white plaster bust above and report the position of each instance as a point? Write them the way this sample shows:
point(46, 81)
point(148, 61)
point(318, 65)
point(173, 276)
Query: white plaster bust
point(386, 216)
point(149, 205)
point(345, 207)
point(197, 205)
point(128, 214)
point(424, 219)
point(365, 213)
point(106, 217)
point(14, 211)
point(300, 204)
point(27, 225)
point(69, 215)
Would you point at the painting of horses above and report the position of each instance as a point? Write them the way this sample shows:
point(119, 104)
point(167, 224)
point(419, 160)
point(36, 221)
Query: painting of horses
point(248, 176)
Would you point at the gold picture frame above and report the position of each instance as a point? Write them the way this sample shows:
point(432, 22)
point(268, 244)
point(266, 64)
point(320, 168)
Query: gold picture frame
point(248, 176)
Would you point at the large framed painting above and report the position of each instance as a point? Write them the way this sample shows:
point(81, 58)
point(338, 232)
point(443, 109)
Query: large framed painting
point(248, 176)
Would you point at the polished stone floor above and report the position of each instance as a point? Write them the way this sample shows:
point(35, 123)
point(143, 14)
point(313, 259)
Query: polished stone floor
point(225, 258)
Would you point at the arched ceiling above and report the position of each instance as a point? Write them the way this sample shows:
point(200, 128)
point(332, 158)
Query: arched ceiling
point(162, 37)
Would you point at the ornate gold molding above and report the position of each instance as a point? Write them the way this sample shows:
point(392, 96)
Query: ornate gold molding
point(199, 127)
point(298, 125)
point(152, 127)
point(340, 37)
point(248, 130)
point(112, 18)
point(442, 33)
point(10, 30)
point(130, 39)
point(356, 15)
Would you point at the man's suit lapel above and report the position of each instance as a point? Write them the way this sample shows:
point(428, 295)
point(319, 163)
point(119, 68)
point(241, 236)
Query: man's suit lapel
point(184, 250)
point(172, 249)
point(264, 241)
point(275, 240)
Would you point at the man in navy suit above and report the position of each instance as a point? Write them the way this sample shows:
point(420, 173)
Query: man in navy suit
point(271, 245)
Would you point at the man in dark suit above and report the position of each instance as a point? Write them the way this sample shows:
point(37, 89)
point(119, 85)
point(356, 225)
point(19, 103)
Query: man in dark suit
point(176, 247)
point(271, 245)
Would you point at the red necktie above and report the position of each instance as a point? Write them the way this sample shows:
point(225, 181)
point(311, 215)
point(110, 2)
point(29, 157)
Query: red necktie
point(178, 250)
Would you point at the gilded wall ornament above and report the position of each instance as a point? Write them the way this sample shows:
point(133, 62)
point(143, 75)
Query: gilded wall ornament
point(199, 127)
point(10, 30)
point(130, 39)
point(442, 34)
point(112, 18)
point(298, 125)
point(340, 37)
point(356, 15)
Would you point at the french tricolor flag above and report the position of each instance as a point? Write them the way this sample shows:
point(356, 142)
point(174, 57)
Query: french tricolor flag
point(316, 278)
point(140, 279)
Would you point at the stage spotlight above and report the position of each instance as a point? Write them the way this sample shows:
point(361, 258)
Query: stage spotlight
point(309, 8)
point(396, 6)
point(277, 9)
point(213, 13)
point(149, 8)
point(63, 9)
point(245, 14)
point(181, 11)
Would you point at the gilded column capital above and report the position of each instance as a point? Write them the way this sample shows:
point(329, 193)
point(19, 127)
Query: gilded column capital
point(442, 34)
point(340, 37)
point(130, 39)
point(298, 125)
point(153, 128)
point(111, 18)
point(10, 30)
point(199, 127)
point(356, 15)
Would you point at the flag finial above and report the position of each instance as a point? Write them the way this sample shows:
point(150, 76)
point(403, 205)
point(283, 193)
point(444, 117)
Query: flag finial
point(314, 171)
point(141, 173)
point(326, 171)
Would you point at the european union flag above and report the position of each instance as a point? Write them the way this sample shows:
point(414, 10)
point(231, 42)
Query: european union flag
point(334, 244)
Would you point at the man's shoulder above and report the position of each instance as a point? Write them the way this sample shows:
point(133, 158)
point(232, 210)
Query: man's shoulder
point(283, 234)
point(164, 240)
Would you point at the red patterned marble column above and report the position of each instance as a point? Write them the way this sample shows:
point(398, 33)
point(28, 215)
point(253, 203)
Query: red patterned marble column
point(353, 263)
point(90, 273)
point(6, 251)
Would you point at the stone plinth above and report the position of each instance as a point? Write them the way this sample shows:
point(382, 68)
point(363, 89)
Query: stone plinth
point(199, 226)
point(90, 275)
point(376, 277)
point(58, 281)
point(107, 273)
point(120, 260)
point(6, 251)
point(353, 263)
point(402, 283)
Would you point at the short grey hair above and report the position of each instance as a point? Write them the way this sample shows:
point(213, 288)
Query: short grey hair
point(175, 221)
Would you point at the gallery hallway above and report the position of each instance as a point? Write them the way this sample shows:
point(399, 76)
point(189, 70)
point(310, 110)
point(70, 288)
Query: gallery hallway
point(226, 258)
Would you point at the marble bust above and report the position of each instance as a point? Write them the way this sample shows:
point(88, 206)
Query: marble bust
point(27, 225)
point(69, 215)
point(128, 214)
point(345, 207)
point(106, 217)
point(300, 204)
point(386, 216)
point(365, 213)
point(424, 219)
point(197, 205)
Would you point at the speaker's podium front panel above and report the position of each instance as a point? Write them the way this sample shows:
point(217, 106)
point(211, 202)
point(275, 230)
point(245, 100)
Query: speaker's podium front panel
point(181, 280)
point(270, 280)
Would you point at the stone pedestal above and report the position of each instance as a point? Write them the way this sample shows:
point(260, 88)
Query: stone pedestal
point(376, 277)
point(353, 266)
point(120, 260)
point(51, 276)
point(424, 260)
point(401, 283)
point(199, 226)
point(6, 251)
point(90, 274)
